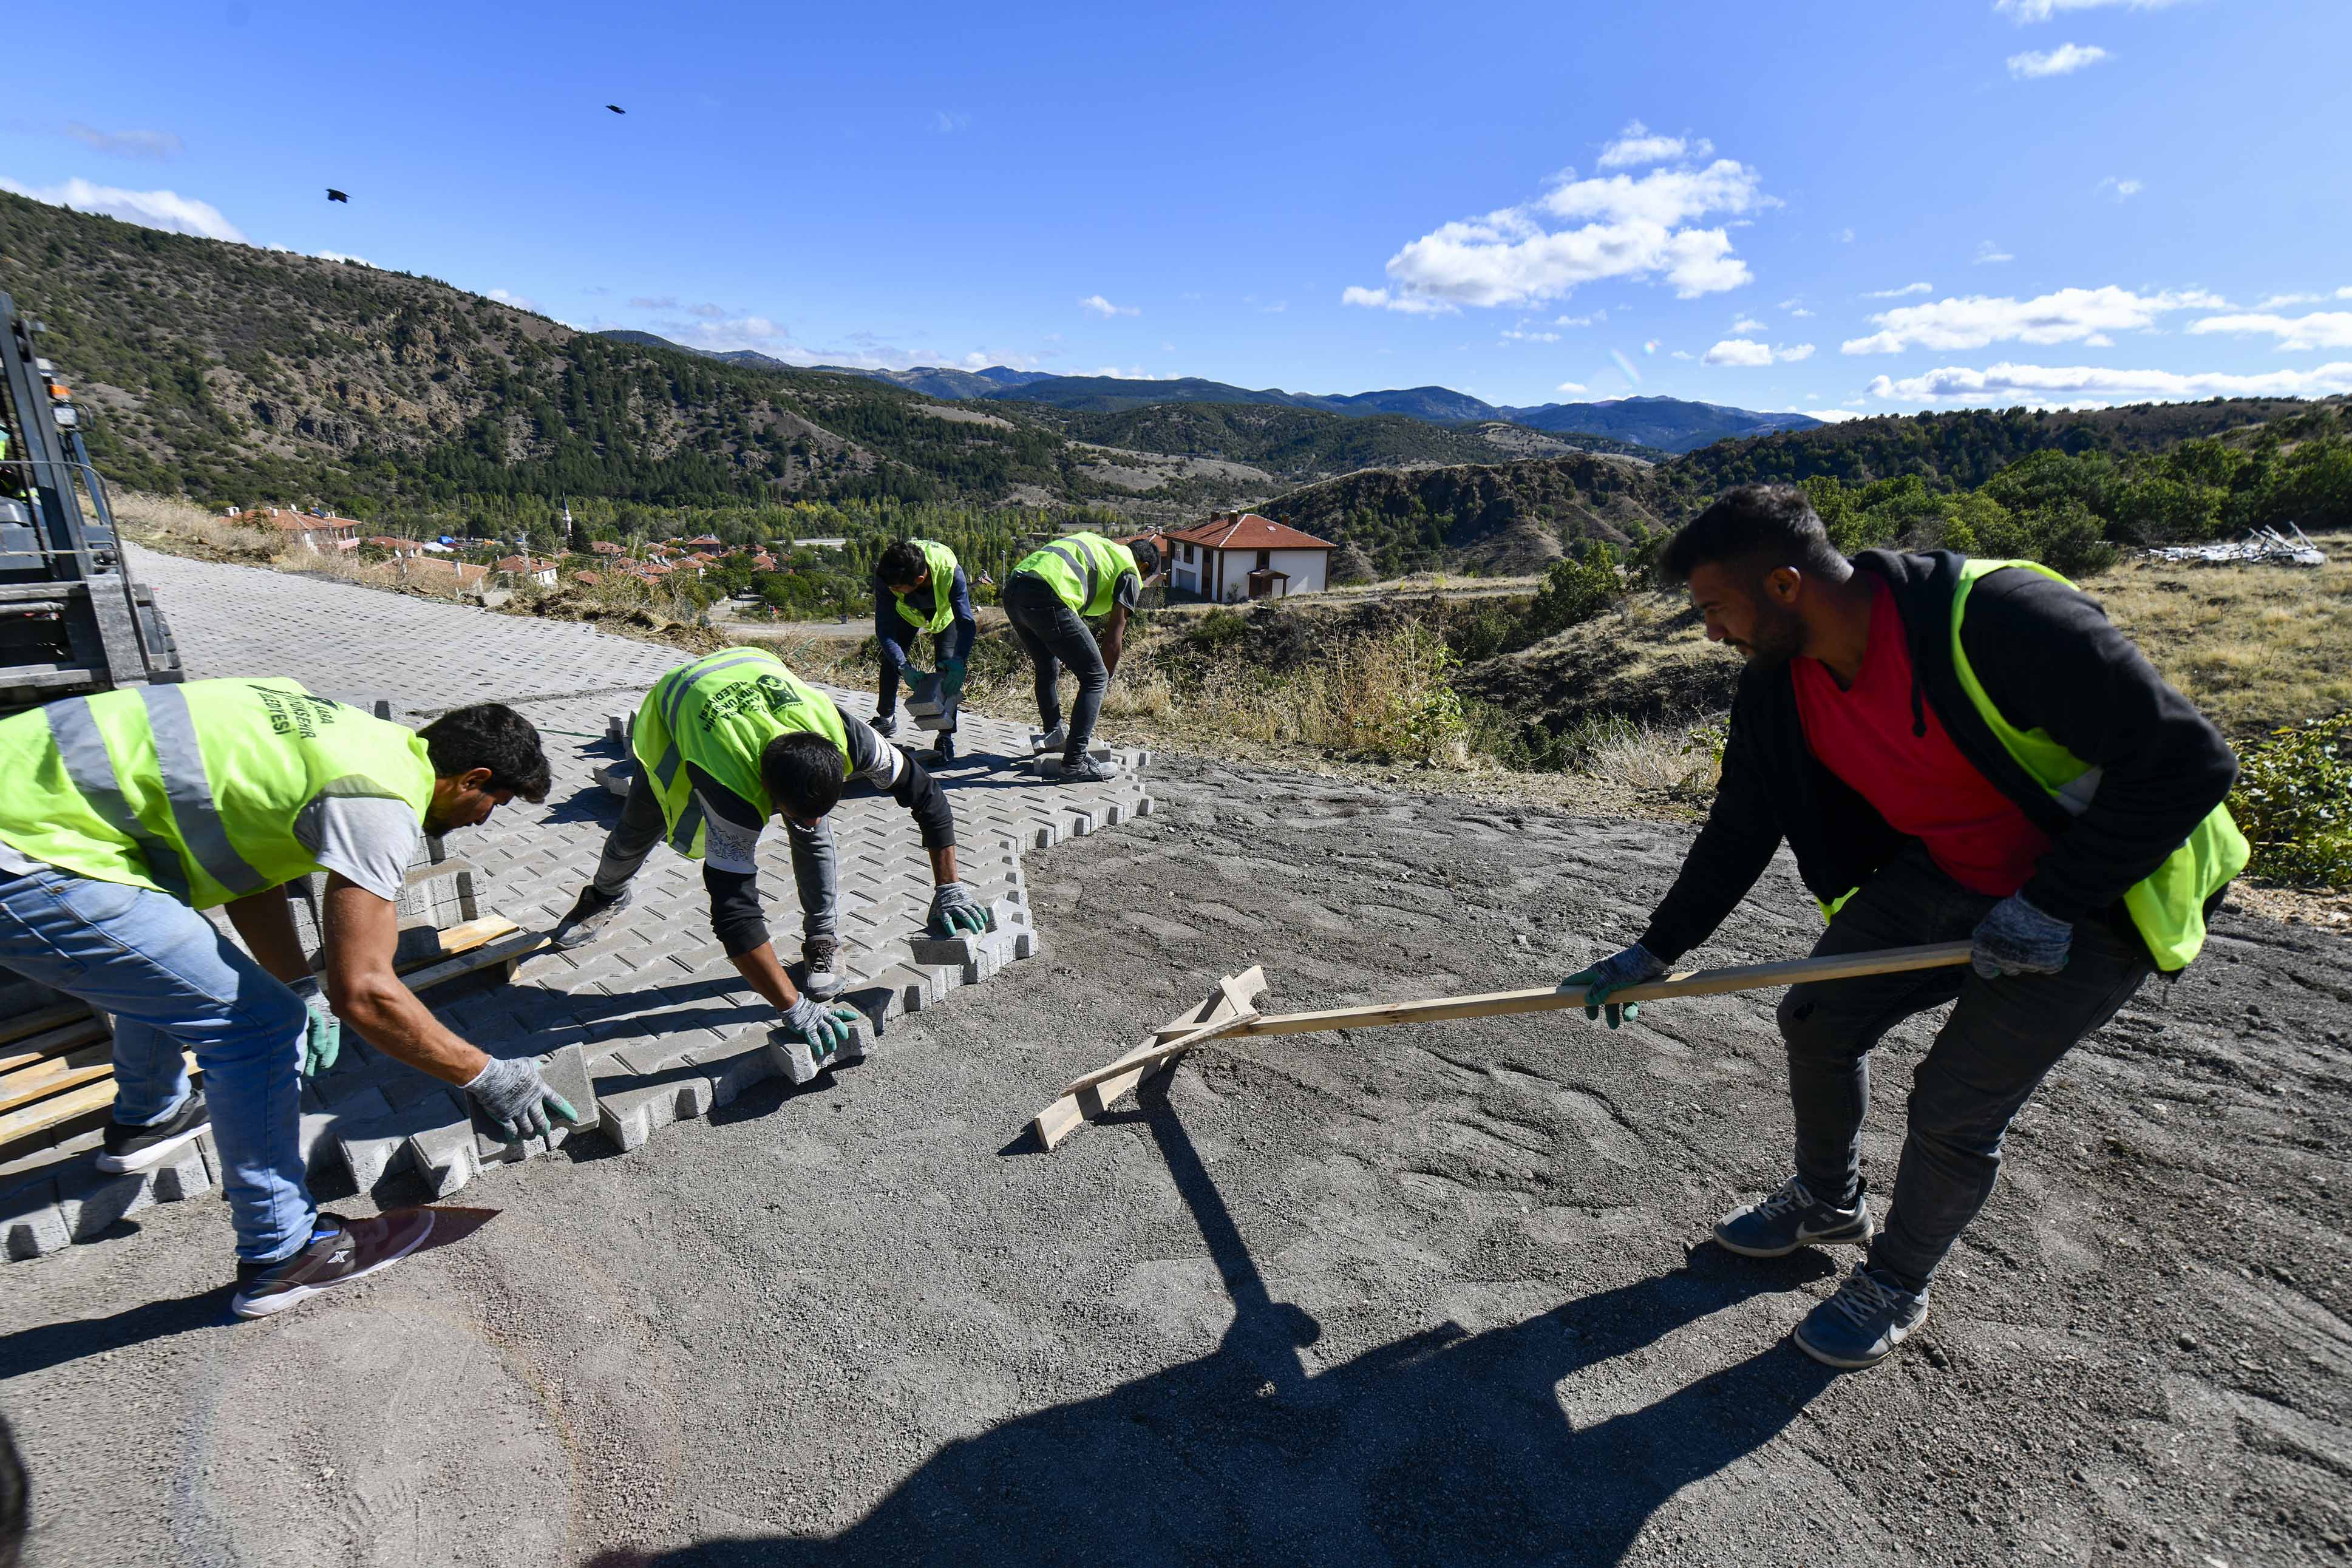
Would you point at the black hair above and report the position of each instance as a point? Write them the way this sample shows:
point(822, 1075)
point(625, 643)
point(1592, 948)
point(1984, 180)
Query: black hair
point(492, 735)
point(1772, 525)
point(805, 774)
point(902, 562)
point(1147, 558)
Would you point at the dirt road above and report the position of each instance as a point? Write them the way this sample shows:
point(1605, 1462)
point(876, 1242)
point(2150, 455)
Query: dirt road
point(1427, 1295)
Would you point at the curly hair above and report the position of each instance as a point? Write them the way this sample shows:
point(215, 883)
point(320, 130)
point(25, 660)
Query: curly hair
point(492, 735)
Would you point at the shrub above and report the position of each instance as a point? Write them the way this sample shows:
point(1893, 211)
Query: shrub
point(2293, 802)
point(1573, 592)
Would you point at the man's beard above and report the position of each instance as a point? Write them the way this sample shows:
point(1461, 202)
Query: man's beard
point(1779, 636)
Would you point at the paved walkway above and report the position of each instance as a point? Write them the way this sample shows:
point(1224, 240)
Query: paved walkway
point(652, 1021)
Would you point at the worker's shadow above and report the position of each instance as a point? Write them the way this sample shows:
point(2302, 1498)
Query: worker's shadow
point(1444, 1447)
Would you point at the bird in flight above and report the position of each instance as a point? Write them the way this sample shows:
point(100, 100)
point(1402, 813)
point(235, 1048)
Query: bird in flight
point(616, 109)
point(335, 196)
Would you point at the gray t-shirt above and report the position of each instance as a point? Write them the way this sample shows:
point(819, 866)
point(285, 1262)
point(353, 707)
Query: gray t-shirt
point(368, 839)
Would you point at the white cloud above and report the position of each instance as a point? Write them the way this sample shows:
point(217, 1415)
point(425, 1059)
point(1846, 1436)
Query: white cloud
point(2027, 11)
point(1596, 316)
point(508, 296)
point(2122, 190)
point(1741, 351)
point(1631, 227)
point(1846, 236)
point(1684, 354)
point(2067, 316)
point(2063, 385)
point(707, 310)
point(1517, 335)
point(948, 123)
point(1899, 293)
point(2319, 329)
point(1097, 304)
point(2064, 60)
point(2274, 301)
point(1746, 325)
point(1989, 254)
point(1795, 306)
point(1828, 415)
point(155, 144)
point(1637, 147)
point(165, 210)
point(654, 302)
point(1569, 387)
point(339, 256)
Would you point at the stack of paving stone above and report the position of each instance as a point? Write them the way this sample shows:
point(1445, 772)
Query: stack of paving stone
point(652, 1024)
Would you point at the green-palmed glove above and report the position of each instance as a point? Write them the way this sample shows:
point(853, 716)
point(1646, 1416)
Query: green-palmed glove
point(1614, 973)
point(513, 1094)
point(952, 679)
point(912, 676)
point(322, 1038)
point(826, 1028)
point(955, 912)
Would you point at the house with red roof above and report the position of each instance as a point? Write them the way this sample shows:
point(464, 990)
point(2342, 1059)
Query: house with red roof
point(1235, 555)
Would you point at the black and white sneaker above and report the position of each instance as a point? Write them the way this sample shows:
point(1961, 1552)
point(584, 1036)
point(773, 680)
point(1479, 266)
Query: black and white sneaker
point(938, 756)
point(340, 1251)
point(590, 913)
point(1087, 769)
point(821, 958)
point(130, 1148)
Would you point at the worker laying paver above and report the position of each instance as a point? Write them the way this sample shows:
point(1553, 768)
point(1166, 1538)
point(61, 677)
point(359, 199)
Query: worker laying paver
point(1953, 750)
point(1049, 597)
point(919, 587)
point(723, 744)
point(123, 815)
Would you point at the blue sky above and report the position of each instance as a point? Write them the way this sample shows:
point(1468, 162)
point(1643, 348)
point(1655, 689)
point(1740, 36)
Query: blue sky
point(1833, 207)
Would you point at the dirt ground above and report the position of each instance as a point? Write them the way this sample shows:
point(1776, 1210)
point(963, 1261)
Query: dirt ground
point(1427, 1295)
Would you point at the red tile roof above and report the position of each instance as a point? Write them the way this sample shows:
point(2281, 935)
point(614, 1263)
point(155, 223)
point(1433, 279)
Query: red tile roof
point(1249, 531)
point(604, 547)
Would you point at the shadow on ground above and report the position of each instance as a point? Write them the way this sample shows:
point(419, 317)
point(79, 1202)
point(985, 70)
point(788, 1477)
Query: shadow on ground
point(1446, 1447)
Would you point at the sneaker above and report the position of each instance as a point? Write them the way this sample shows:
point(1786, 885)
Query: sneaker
point(819, 955)
point(938, 756)
point(1858, 1326)
point(886, 725)
point(590, 913)
point(1091, 769)
point(1053, 739)
point(340, 1251)
point(1780, 1222)
point(133, 1148)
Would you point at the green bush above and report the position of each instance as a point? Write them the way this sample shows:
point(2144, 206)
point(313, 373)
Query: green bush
point(1573, 592)
point(2293, 802)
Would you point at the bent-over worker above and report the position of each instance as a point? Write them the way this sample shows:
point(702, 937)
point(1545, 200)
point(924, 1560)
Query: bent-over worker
point(722, 745)
point(1049, 597)
point(121, 815)
point(919, 587)
point(1953, 750)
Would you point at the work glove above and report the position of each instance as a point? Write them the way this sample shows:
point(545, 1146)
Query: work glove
point(826, 1029)
point(2016, 938)
point(322, 1040)
point(1614, 973)
point(952, 673)
point(955, 912)
point(513, 1094)
point(913, 677)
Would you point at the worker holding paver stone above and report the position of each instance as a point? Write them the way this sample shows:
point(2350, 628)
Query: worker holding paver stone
point(1953, 750)
point(123, 815)
point(722, 745)
point(1049, 597)
point(919, 587)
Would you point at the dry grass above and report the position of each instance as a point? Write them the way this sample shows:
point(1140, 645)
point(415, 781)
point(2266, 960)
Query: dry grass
point(181, 528)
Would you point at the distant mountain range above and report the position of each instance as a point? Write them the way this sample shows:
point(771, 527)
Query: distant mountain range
point(1668, 423)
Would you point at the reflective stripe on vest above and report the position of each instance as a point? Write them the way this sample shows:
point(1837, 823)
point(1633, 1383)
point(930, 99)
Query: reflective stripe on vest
point(941, 563)
point(1095, 565)
point(83, 750)
point(194, 809)
point(668, 737)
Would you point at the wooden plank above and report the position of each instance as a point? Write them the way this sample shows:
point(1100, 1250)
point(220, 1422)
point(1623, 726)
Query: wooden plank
point(46, 1116)
point(508, 950)
point(55, 1076)
point(1064, 1116)
point(1554, 999)
point(1154, 1055)
point(40, 1022)
point(54, 1043)
point(465, 937)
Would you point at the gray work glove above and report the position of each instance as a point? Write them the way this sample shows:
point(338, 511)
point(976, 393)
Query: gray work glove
point(322, 1040)
point(826, 1029)
point(513, 1094)
point(2016, 938)
point(1614, 973)
point(955, 912)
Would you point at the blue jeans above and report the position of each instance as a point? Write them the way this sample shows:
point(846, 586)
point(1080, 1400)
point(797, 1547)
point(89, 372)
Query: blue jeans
point(1987, 1059)
point(172, 980)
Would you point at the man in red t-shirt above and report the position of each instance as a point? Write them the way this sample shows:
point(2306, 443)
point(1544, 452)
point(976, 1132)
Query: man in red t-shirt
point(1864, 736)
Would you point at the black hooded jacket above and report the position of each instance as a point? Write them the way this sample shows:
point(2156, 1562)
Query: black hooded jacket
point(2048, 658)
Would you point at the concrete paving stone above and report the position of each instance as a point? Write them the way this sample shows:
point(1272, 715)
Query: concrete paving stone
point(374, 1151)
point(31, 1223)
point(189, 1174)
point(92, 1199)
point(319, 1130)
point(445, 1157)
point(736, 1065)
point(631, 1115)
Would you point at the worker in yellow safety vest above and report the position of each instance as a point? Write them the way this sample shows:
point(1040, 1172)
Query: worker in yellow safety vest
point(1051, 594)
point(1953, 750)
point(919, 587)
point(123, 815)
point(723, 744)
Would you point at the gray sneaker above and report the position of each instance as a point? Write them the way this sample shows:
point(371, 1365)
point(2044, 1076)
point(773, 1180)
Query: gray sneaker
point(591, 914)
point(1053, 740)
point(1090, 769)
point(1858, 1326)
point(820, 955)
point(1779, 1223)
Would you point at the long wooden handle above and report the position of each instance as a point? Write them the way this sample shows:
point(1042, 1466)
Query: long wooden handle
point(1553, 998)
point(1157, 1054)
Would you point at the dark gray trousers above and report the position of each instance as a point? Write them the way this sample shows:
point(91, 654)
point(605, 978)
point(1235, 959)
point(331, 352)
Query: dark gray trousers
point(1052, 633)
point(2003, 1036)
point(815, 871)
